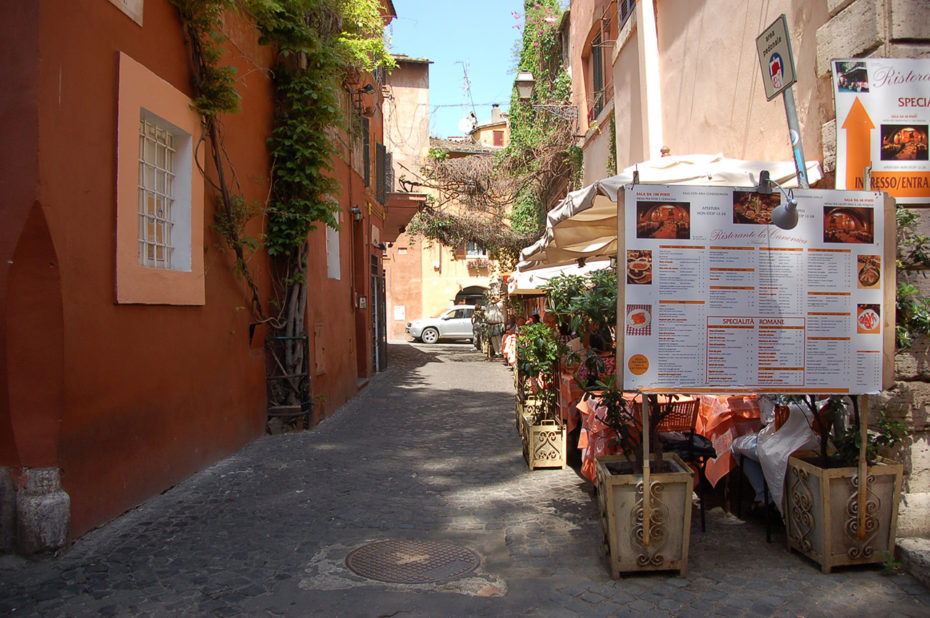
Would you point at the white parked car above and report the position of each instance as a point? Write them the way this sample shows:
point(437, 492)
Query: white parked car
point(453, 323)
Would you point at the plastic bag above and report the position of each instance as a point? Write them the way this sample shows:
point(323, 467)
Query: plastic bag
point(746, 445)
point(774, 448)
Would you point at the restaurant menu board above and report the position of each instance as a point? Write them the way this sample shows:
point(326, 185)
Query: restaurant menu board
point(882, 120)
point(718, 299)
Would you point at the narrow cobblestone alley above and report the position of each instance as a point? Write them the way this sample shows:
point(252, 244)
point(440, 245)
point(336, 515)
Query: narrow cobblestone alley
point(427, 452)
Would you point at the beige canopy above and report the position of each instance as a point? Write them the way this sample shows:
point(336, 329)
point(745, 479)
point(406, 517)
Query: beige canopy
point(532, 281)
point(584, 224)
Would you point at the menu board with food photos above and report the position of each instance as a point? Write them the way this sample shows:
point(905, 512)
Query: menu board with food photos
point(718, 299)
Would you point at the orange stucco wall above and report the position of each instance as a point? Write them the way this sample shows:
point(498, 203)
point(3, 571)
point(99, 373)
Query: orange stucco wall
point(128, 399)
point(18, 172)
point(405, 283)
point(151, 393)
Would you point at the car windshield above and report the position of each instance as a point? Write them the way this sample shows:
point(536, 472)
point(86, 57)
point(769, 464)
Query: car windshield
point(449, 312)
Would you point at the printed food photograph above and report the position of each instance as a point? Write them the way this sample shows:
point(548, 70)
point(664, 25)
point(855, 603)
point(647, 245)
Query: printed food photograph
point(868, 319)
point(638, 266)
point(870, 271)
point(847, 224)
point(904, 142)
point(752, 207)
point(663, 220)
point(639, 319)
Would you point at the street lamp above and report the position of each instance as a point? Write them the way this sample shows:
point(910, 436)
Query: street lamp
point(524, 84)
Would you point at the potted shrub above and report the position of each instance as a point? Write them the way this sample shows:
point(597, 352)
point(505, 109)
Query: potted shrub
point(542, 431)
point(827, 517)
point(586, 306)
point(585, 311)
point(644, 530)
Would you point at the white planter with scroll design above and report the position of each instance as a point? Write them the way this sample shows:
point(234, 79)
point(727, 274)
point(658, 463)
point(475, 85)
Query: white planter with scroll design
point(822, 511)
point(543, 443)
point(620, 497)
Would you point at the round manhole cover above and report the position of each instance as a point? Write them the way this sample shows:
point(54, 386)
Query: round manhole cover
point(411, 562)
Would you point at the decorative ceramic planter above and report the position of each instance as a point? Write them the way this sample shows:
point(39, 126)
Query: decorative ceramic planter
point(822, 511)
point(620, 497)
point(543, 443)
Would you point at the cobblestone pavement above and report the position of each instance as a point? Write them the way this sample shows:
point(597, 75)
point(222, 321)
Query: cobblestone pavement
point(428, 451)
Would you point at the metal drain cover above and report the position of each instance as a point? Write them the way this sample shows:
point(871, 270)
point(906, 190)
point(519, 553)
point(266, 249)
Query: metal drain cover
point(412, 562)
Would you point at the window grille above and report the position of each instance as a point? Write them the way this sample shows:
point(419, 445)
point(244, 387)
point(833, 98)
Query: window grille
point(156, 194)
point(474, 250)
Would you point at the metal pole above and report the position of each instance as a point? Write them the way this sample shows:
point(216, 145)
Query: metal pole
point(647, 482)
point(794, 131)
point(863, 503)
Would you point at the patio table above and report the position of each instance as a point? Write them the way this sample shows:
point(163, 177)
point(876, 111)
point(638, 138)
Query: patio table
point(720, 419)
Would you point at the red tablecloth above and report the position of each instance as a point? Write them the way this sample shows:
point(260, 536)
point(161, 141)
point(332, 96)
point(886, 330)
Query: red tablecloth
point(569, 396)
point(596, 438)
point(720, 419)
point(509, 348)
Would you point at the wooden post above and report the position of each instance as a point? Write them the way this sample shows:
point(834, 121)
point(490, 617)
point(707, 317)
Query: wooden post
point(863, 465)
point(646, 481)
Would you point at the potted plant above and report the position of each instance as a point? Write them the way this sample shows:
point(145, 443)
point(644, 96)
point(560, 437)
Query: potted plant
point(542, 431)
point(828, 517)
point(644, 529)
point(586, 306)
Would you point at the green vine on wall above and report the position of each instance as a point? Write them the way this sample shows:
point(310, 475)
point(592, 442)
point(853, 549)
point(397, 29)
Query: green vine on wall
point(520, 183)
point(540, 142)
point(317, 43)
point(612, 152)
point(913, 258)
point(215, 93)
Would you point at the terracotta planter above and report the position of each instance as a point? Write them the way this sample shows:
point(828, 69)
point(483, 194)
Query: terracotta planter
point(822, 507)
point(543, 443)
point(620, 497)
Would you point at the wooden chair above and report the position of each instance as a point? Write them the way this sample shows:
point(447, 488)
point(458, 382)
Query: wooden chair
point(693, 448)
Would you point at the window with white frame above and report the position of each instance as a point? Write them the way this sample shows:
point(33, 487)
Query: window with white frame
point(164, 194)
point(474, 250)
point(159, 192)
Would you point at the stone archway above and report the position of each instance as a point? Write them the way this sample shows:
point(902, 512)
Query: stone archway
point(472, 295)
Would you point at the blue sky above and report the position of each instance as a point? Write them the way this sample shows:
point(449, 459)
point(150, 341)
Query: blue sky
point(480, 33)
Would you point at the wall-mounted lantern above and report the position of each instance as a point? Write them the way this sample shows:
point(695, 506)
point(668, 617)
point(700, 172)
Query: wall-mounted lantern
point(524, 84)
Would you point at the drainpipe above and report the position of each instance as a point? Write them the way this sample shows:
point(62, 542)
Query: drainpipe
point(650, 87)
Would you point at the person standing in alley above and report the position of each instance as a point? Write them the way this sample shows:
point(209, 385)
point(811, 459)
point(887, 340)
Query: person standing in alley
point(495, 318)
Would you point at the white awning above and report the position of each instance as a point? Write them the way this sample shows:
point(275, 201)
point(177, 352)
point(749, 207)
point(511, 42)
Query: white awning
point(532, 282)
point(584, 224)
